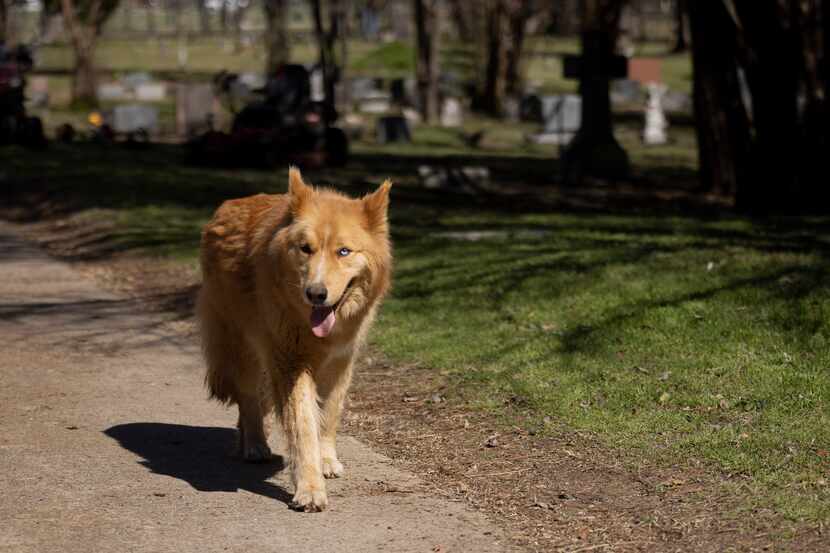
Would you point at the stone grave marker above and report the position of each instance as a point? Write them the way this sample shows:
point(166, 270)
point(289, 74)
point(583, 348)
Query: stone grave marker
point(112, 92)
point(38, 93)
point(150, 92)
point(656, 124)
point(130, 118)
point(562, 116)
point(195, 109)
point(626, 91)
point(452, 113)
point(645, 70)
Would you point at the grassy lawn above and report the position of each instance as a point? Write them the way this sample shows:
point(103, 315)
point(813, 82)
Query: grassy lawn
point(684, 338)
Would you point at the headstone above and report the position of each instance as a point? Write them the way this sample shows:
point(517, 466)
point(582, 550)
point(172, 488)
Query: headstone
point(675, 101)
point(362, 87)
point(562, 116)
point(452, 113)
point(393, 129)
point(38, 93)
point(182, 55)
point(129, 118)
point(150, 92)
point(626, 91)
point(413, 116)
point(252, 80)
point(353, 125)
point(645, 70)
point(656, 124)
point(410, 89)
point(132, 80)
point(112, 92)
point(377, 102)
point(511, 108)
point(317, 83)
point(194, 108)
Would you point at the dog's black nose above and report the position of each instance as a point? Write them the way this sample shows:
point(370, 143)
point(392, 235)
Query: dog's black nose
point(316, 294)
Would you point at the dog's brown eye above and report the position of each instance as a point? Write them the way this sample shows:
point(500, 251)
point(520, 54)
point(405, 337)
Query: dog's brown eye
point(305, 248)
point(343, 252)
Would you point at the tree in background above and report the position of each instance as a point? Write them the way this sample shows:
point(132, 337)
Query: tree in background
point(722, 123)
point(204, 16)
point(83, 20)
point(500, 48)
point(761, 85)
point(462, 16)
point(427, 32)
point(327, 40)
point(681, 44)
point(277, 47)
point(4, 18)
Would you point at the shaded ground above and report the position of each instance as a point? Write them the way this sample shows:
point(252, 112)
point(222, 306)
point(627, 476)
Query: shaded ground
point(563, 492)
point(107, 442)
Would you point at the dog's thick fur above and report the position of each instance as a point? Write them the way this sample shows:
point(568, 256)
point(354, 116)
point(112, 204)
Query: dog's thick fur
point(263, 346)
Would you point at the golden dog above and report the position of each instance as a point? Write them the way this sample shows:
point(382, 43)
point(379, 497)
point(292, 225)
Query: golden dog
point(291, 284)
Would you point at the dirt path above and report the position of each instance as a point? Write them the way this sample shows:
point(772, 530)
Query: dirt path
point(107, 442)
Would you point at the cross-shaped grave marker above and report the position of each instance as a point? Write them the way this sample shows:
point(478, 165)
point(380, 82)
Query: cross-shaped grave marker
point(594, 150)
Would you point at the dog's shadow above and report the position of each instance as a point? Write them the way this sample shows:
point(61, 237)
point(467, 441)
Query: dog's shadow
point(199, 455)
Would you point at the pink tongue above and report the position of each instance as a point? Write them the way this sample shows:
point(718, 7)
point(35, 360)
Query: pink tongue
point(322, 321)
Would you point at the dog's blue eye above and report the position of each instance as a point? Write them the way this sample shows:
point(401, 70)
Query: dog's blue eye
point(343, 252)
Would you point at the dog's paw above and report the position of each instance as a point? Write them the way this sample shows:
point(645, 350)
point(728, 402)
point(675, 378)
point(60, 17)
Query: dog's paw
point(256, 453)
point(332, 468)
point(309, 500)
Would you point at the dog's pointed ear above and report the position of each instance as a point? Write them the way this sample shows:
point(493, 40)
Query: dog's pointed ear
point(298, 191)
point(376, 206)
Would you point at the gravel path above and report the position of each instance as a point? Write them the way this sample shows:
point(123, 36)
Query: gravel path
point(107, 443)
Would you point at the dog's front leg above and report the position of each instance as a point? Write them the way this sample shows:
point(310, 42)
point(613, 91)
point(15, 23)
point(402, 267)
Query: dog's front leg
point(300, 419)
point(334, 384)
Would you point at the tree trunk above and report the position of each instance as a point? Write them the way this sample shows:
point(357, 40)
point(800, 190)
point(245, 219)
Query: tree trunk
point(4, 18)
point(85, 78)
point(494, 83)
point(326, 39)
point(594, 151)
point(514, 74)
point(83, 35)
point(427, 33)
point(680, 42)
point(276, 36)
point(204, 17)
point(722, 123)
point(462, 17)
point(568, 17)
point(223, 16)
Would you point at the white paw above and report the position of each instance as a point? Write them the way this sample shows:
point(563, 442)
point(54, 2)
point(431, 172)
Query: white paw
point(309, 499)
point(256, 453)
point(332, 468)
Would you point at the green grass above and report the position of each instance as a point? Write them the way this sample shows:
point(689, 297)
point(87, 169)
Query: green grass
point(678, 337)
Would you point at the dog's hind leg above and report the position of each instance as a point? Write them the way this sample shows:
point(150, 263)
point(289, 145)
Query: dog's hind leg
point(233, 376)
point(252, 399)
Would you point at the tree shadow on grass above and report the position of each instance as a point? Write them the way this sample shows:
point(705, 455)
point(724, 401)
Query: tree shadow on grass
point(200, 456)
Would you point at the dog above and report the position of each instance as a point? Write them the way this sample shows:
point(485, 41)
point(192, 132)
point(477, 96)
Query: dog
point(291, 285)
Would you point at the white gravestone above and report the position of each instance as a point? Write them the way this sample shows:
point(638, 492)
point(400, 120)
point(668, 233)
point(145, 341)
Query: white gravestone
point(656, 123)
